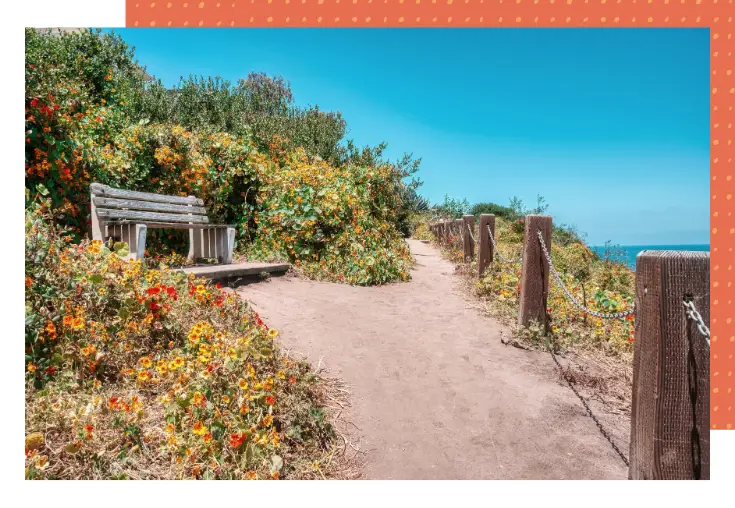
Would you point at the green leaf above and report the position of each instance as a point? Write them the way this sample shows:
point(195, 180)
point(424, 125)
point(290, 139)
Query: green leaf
point(121, 249)
point(96, 278)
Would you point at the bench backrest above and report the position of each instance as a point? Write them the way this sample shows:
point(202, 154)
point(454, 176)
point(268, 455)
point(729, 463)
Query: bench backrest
point(118, 205)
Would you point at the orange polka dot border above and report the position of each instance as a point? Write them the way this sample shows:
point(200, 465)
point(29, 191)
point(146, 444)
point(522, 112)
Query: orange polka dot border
point(717, 15)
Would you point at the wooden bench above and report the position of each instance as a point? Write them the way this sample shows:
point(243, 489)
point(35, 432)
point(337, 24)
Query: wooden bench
point(126, 216)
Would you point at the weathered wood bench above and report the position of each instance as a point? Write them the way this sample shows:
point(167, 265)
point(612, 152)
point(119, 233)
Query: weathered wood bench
point(126, 216)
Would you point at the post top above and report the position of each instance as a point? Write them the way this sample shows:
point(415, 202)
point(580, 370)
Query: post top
point(680, 254)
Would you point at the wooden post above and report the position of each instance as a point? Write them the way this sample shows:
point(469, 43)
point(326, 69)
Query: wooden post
point(457, 225)
point(535, 272)
point(447, 230)
point(468, 223)
point(485, 250)
point(669, 437)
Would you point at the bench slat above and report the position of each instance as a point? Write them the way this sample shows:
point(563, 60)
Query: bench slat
point(143, 217)
point(102, 202)
point(103, 190)
point(171, 225)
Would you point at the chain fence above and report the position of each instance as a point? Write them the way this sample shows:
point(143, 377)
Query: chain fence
point(695, 316)
point(497, 251)
point(570, 296)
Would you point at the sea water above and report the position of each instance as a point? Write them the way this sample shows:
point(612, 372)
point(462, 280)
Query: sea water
point(627, 253)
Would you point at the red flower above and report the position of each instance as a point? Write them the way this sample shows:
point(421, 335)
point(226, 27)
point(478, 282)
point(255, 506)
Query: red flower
point(236, 439)
point(153, 291)
point(171, 292)
point(270, 400)
point(57, 107)
point(219, 301)
point(34, 103)
point(218, 285)
point(155, 306)
point(51, 370)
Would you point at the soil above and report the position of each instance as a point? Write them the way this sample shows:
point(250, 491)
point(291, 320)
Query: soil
point(435, 393)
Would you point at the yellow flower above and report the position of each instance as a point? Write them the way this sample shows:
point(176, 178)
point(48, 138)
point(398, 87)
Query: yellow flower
point(145, 362)
point(198, 399)
point(32, 367)
point(199, 429)
point(268, 420)
point(272, 333)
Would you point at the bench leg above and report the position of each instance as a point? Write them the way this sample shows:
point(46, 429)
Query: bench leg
point(195, 244)
point(141, 231)
point(229, 245)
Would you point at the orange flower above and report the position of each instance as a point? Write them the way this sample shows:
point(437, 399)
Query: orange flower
point(78, 323)
point(29, 282)
point(89, 429)
point(275, 475)
point(67, 321)
point(237, 439)
point(251, 475)
point(145, 362)
point(270, 400)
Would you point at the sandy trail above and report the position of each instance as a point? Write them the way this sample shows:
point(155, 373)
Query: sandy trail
point(435, 393)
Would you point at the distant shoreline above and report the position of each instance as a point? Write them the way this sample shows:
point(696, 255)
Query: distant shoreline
point(628, 253)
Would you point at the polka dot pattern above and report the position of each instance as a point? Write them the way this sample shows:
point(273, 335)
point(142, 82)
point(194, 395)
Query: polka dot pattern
point(717, 15)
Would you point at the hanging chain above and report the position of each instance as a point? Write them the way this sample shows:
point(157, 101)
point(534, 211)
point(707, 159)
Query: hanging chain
point(695, 316)
point(614, 315)
point(497, 251)
point(589, 410)
point(469, 230)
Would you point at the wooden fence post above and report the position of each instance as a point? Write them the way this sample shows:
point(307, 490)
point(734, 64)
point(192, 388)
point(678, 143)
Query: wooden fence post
point(468, 223)
point(485, 250)
point(535, 272)
point(669, 437)
point(447, 231)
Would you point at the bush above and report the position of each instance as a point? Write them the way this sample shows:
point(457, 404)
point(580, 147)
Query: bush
point(491, 208)
point(140, 373)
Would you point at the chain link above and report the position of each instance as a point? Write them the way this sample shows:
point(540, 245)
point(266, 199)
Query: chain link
point(469, 230)
point(497, 251)
point(614, 315)
point(695, 316)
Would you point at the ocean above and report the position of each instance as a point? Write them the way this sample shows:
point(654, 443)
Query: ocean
point(627, 253)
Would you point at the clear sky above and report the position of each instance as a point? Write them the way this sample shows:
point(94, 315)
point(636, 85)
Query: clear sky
point(610, 126)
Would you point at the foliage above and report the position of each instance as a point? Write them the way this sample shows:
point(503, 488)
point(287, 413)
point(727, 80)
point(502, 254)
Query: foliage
point(334, 222)
point(494, 209)
point(452, 208)
point(246, 150)
point(260, 105)
point(140, 373)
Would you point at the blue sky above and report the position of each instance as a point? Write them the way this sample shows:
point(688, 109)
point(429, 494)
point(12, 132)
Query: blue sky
point(610, 126)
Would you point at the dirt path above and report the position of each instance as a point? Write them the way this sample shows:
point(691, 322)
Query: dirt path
point(435, 393)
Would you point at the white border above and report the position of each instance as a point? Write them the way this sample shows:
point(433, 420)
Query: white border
point(111, 13)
